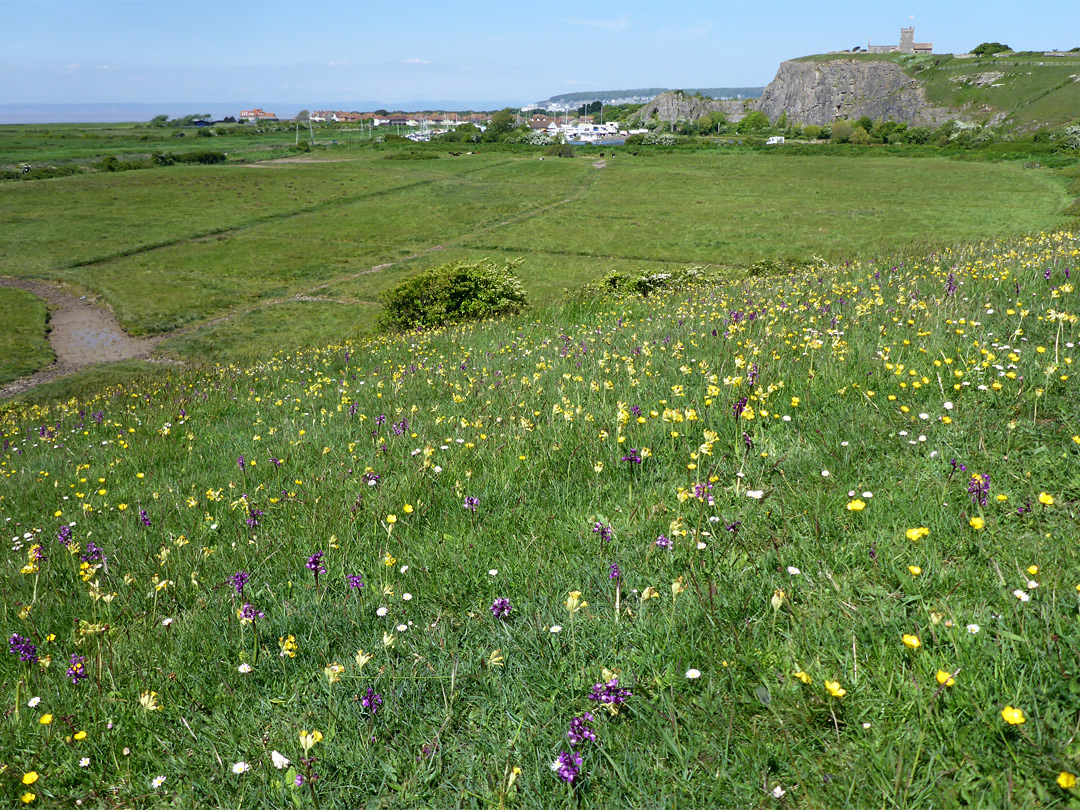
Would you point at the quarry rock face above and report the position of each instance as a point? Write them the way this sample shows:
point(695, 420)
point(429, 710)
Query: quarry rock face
point(674, 106)
point(821, 92)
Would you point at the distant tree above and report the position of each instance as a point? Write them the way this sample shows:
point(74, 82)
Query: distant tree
point(781, 122)
point(866, 122)
point(988, 48)
point(501, 123)
point(811, 132)
point(303, 115)
point(592, 108)
point(228, 119)
point(859, 136)
point(918, 135)
point(841, 132)
point(159, 120)
point(753, 122)
point(381, 113)
point(711, 124)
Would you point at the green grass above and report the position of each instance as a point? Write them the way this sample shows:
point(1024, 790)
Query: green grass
point(23, 326)
point(61, 144)
point(872, 379)
point(260, 333)
point(247, 236)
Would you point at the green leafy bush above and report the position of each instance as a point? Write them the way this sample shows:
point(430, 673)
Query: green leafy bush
point(563, 150)
point(621, 282)
point(860, 136)
point(841, 132)
point(453, 292)
point(206, 158)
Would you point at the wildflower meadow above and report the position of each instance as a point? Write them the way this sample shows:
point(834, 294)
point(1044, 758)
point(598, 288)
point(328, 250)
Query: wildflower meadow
point(803, 539)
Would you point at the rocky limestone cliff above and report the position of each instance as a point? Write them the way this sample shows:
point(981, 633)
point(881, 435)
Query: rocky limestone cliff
point(674, 105)
point(820, 92)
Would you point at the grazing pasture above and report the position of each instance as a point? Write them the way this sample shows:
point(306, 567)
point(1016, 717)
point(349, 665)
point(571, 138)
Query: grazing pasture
point(184, 246)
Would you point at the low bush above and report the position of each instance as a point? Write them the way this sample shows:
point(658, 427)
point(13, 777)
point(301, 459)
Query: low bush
point(453, 292)
point(620, 282)
point(564, 150)
point(205, 158)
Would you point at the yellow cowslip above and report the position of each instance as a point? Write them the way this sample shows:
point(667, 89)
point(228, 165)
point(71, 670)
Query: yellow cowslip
point(976, 523)
point(574, 602)
point(308, 739)
point(1012, 716)
point(801, 676)
point(914, 570)
point(917, 533)
point(27, 797)
point(856, 505)
point(677, 587)
point(1066, 780)
point(945, 678)
point(30, 777)
point(1045, 499)
point(911, 641)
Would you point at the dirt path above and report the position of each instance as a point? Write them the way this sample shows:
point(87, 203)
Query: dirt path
point(81, 334)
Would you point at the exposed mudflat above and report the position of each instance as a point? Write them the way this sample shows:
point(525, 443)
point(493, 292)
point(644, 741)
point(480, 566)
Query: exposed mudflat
point(81, 334)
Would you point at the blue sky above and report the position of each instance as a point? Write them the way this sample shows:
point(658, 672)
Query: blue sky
point(330, 53)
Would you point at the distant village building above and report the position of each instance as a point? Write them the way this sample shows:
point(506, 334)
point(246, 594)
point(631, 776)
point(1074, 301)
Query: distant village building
point(258, 114)
point(907, 44)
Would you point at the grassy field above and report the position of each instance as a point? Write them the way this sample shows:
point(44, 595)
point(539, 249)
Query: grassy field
point(60, 144)
point(183, 246)
point(805, 540)
point(23, 345)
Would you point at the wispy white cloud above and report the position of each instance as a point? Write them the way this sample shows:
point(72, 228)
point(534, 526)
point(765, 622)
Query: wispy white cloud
point(417, 62)
point(616, 26)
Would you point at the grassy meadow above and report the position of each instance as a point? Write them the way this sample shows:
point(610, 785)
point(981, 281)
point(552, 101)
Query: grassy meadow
point(23, 323)
point(805, 540)
point(180, 248)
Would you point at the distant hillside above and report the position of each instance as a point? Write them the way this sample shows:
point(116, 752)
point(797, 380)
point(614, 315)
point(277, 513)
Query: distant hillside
point(1021, 90)
point(646, 93)
point(676, 105)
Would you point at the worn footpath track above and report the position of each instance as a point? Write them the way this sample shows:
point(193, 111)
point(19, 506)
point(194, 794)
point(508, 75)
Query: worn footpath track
point(84, 333)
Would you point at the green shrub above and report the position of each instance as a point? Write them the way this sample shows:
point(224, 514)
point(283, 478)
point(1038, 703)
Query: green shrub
point(842, 132)
point(205, 158)
point(563, 150)
point(453, 292)
point(620, 282)
point(811, 132)
point(859, 136)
